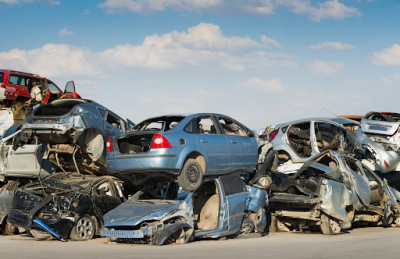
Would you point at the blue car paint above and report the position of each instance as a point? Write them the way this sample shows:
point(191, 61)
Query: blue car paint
point(214, 148)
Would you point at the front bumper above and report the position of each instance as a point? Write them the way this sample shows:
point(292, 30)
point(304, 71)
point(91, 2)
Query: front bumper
point(127, 234)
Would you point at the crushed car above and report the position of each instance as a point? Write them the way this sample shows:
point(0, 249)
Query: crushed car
point(75, 133)
point(379, 136)
point(331, 191)
point(65, 205)
point(185, 148)
point(295, 142)
point(7, 191)
point(18, 90)
point(221, 206)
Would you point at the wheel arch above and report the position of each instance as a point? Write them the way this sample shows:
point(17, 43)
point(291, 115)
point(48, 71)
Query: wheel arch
point(197, 156)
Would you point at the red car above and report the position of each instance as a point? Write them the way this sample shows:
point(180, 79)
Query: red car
point(17, 88)
point(18, 85)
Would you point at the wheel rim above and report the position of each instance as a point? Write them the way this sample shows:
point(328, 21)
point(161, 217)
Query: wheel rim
point(84, 228)
point(193, 174)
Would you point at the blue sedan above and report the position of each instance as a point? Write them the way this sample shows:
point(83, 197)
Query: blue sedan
point(181, 147)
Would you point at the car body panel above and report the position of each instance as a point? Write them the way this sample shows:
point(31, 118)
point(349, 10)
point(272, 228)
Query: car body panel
point(149, 217)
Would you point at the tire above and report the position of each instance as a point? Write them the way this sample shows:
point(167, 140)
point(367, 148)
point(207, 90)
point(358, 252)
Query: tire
point(247, 226)
point(84, 229)
point(175, 233)
point(191, 175)
point(329, 226)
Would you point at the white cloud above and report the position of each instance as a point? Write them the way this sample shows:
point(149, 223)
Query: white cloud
point(320, 67)
point(270, 43)
point(146, 6)
point(332, 9)
point(389, 56)
point(332, 45)
point(50, 60)
point(65, 32)
point(266, 86)
point(201, 46)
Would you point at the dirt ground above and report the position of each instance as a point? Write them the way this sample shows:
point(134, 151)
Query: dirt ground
point(357, 243)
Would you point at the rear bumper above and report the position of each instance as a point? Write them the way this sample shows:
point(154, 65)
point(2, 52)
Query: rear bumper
point(162, 163)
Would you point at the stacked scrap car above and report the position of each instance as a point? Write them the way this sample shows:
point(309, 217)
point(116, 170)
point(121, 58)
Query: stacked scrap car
point(75, 131)
point(66, 205)
point(330, 191)
point(379, 139)
point(221, 206)
point(185, 148)
point(295, 142)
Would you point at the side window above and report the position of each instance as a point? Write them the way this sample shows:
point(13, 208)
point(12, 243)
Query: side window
point(232, 128)
point(18, 80)
point(191, 127)
point(53, 88)
point(328, 136)
point(1, 78)
point(101, 111)
point(104, 189)
point(353, 166)
point(232, 184)
point(114, 121)
point(206, 125)
point(299, 138)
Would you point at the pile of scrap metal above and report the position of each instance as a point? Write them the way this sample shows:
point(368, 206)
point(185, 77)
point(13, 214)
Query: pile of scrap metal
point(379, 140)
point(65, 205)
point(331, 191)
point(221, 206)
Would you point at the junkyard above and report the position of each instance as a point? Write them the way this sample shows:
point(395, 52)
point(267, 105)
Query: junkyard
point(207, 128)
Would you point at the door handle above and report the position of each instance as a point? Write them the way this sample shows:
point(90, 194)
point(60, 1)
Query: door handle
point(232, 141)
point(203, 141)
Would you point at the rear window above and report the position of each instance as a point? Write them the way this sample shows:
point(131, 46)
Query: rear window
point(1, 77)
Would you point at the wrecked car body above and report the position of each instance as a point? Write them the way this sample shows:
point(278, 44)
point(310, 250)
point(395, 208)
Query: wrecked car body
point(7, 191)
point(297, 141)
point(221, 206)
point(75, 131)
point(66, 205)
point(185, 148)
point(325, 193)
point(379, 138)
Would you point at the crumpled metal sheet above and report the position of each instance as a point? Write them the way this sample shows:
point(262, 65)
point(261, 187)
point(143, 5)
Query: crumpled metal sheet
point(335, 197)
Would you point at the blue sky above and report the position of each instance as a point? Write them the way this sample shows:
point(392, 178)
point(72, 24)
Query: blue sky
point(260, 61)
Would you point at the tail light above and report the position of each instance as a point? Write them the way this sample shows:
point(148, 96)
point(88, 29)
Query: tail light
point(273, 134)
point(109, 145)
point(386, 164)
point(159, 141)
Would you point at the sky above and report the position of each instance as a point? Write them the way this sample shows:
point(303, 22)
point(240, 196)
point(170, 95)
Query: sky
point(261, 62)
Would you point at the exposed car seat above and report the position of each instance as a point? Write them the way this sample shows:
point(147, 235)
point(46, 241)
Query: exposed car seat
point(209, 214)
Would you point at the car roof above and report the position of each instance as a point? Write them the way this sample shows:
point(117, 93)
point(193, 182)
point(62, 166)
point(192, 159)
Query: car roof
point(326, 119)
point(18, 72)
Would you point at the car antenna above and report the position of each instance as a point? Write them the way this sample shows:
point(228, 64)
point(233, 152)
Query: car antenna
point(330, 112)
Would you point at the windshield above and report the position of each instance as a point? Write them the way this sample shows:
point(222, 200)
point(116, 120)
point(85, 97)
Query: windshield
point(164, 123)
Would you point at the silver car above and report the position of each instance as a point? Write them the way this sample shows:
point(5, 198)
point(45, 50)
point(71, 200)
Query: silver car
point(297, 141)
point(379, 137)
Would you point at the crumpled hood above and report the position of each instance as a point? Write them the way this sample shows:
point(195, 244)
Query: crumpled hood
point(132, 213)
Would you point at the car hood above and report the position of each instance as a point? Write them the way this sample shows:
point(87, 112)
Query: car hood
point(132, 213)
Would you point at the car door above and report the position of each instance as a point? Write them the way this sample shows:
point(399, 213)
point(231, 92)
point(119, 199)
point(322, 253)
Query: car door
point(212, 144)
point(105, 196)
point(113, 125)
point(359, 180)
point(69, 91)
point(236, 197)
point(242, 146)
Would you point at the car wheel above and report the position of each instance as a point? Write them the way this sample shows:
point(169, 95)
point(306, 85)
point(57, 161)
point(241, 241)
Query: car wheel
point(10, 229)
point(329, 226)
point(247, 226)
point(191, 175)
point(175, 233)
point(84, 228)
